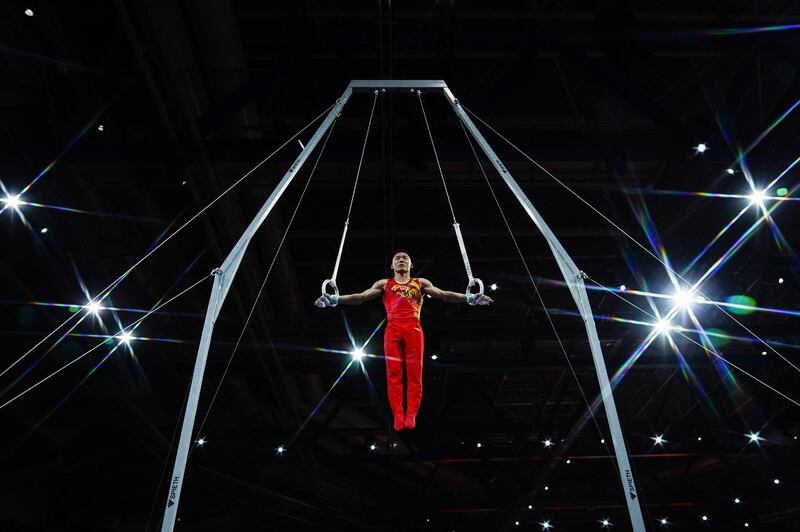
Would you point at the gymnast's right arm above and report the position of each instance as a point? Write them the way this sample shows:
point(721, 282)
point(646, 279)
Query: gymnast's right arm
point(331, 300)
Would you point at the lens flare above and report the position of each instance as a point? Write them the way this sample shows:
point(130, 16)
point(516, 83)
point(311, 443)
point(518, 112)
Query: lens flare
point(684, 298)
point(12, 202)
point(663, 327)
point(741, 304)
point(757, 197)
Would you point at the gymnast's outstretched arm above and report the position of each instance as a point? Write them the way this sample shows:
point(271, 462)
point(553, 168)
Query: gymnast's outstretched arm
point(331, 300)
point(452, 297)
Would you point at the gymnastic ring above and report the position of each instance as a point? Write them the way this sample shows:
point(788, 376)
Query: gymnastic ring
point(330, 282)
point(475, 281)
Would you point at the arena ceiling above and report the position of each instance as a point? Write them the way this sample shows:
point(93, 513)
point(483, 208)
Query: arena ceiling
point(121, 121)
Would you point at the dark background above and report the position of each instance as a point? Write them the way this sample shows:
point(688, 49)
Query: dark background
point(611, 97)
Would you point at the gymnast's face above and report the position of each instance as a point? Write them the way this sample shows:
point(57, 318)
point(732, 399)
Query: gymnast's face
point(401, 262)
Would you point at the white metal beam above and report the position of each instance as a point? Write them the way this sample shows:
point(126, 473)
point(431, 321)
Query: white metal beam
point(223, 278)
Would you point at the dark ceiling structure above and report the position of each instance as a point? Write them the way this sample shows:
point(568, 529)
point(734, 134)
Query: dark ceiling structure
point(123, 120)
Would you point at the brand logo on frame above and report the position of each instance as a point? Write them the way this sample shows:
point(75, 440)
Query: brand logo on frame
point(172, 492)
point(631, 488)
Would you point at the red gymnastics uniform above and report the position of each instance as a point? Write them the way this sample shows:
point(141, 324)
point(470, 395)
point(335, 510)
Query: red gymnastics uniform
point(403, 342)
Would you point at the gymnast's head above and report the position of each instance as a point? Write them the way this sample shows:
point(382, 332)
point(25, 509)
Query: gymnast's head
point(401, 261)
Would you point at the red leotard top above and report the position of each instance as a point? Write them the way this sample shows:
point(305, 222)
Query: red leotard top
point(403, 301)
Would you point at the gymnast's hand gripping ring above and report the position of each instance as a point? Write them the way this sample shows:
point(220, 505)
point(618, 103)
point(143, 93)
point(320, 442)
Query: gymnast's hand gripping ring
point(473, 297)
point(334, 297)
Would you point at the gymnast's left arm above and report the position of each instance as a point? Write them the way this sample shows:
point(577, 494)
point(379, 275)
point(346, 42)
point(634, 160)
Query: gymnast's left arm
point(452, 297)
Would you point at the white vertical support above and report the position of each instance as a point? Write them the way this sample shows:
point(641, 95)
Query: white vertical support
point(574, 278)
point(223, 278)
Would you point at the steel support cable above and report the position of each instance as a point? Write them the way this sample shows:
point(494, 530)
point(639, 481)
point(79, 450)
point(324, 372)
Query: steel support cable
point(533, 282)
point(632, 239)
point(332, 281)
point(701, 346)
point(436, 155)
point(471, 281)
point(557, 250)
point(130, 327)
point(264, 282)
point(105, 292)
point(589, 408)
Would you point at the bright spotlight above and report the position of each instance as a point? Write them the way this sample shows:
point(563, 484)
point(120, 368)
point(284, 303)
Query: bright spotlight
point(29, 12)
point(126, 337)
point(701, 148)
point(12, 201)
point(736, 500)
point(663, 326)
point(606, 523)
point(757, 197)
point(622, 288)
point(357, 354)
point(548, 443)
point(434, 357)
point(754, 437)
point(780, 280)
point(44, 230)
point(704, 518)
point(663, 521)
point(280, 449)
point(684, 298)
point(776, 481)
point(730, 171)
point(94, 307)
point(546, 525)
point(100, 127)
point(493, 286)
point(201, 442)
point(658, 439)
point(373, 447)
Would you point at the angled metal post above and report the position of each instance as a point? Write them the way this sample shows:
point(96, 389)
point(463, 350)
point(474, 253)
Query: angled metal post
point(223, 278)
point(574, 278)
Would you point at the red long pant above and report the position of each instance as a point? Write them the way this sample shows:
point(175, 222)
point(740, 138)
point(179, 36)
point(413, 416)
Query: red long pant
point(403, 344)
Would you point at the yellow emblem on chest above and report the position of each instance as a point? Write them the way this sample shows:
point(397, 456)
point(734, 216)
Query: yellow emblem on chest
point(409, 290)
